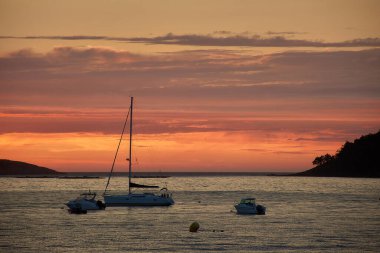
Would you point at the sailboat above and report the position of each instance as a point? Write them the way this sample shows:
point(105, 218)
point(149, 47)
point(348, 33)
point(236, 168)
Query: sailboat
point(162, 198)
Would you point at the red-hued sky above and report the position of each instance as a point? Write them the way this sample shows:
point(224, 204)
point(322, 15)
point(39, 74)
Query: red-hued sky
point(218, 85)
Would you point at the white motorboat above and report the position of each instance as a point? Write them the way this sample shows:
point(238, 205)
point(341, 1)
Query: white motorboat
point(248, 206)
point(86, 201)
point(162, 198)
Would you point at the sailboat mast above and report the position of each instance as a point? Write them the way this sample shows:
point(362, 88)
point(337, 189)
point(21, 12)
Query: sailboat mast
point(130, 148)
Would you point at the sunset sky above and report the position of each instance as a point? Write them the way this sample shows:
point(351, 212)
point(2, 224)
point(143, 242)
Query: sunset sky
point(219, 85)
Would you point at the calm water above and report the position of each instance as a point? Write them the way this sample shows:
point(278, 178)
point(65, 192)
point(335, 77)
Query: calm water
point(303, 214)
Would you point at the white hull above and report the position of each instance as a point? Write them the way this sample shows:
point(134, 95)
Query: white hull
point(143, 199)
point(83, 204)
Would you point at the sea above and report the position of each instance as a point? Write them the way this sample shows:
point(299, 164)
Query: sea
point(304, 214)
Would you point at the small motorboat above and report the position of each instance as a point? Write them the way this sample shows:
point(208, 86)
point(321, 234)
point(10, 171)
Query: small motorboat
point(86, 201)
point(248, 206)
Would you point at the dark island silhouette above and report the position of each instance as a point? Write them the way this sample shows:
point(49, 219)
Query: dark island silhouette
point(9, 167)
point(360, 158)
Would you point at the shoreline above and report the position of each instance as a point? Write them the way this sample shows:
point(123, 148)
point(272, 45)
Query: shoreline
point(163, 175)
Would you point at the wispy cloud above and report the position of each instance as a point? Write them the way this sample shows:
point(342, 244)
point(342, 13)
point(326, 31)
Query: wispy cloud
point(219, 38)
point(109, 121)
point(190, 91)
point(291, 33)
point(213, 74)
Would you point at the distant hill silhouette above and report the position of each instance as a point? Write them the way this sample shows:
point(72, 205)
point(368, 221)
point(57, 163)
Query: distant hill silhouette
point(8, 167)
point(358, 159)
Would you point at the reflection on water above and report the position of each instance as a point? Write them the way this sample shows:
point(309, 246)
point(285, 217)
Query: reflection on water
point(303, 214)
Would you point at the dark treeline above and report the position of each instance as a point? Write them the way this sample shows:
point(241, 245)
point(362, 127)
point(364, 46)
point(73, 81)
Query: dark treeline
point(360, 158)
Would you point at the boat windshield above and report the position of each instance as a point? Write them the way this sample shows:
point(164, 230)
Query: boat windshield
point(247, 201)
point(89, 195)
